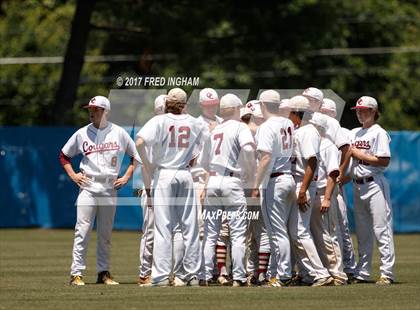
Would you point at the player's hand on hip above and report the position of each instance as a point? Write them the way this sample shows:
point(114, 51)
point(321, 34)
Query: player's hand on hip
point(325, 205)
point(302, 201)
point(120, 182)
point(80, 179)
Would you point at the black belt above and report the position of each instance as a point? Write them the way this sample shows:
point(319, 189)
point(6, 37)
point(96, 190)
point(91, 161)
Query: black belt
point(363, 180)
point(227, 173)
point(276, 174)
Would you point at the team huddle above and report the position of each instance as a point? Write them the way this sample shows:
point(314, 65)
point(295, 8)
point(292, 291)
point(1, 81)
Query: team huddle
point(252, 196)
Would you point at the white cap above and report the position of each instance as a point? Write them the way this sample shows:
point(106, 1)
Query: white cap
point(270, 96)
point(230, 101)
point(319, 120)
point(177, 95)
point(208, 96)
point(366, 102)
point(249, 108)
point(328, 105)
point(284, 103)
point(160, 102)
point(99, 102)
point(314, 93)
point(299, 103)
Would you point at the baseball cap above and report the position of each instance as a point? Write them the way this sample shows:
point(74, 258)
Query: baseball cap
point(248, 108)
point(160, 102)
point(366, 102)
point(230, 101)
point(284, 103)
point(328, 105)
point(208, 96)
point(314, 93)
point(299, 103)
point(319, 120)
point(177, 95)
point(270, 96)
point(99, 102)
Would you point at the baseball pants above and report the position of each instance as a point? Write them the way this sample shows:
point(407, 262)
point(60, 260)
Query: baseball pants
point(305, 251)
point(225, 193)
point(373, 215)
point(325, 230)
point(344, 237)
point(174, 205)
point(277, 201)
point(90, 206)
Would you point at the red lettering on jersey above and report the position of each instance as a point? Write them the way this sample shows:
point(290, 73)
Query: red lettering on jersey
point(101, 147)
point(362, 144)
point(183, 137)
point(218, 137)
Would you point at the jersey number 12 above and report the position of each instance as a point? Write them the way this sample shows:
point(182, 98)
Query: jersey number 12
point(183, 140)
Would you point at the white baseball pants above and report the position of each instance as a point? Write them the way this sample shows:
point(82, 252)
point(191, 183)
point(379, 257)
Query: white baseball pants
point(277, 201)
point(301, 237)
point(89, 206)
point(325, 230)
point(173, 202)
point(373, 215)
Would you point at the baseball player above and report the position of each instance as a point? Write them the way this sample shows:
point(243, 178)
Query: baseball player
point(102, 145)
point(329, 108)
point(324, 219)
point(275, 146)
point(146, 243)
point(334, 131)
point(224, 189)
point(209, 105)
point(305, 152)
point(258, 244)
point(174, 136)
point(372, 203)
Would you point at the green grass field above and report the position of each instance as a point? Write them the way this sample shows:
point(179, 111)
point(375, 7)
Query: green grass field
point(34, 273)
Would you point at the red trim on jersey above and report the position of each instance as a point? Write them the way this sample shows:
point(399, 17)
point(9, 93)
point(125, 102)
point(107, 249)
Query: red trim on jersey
point(64, 160)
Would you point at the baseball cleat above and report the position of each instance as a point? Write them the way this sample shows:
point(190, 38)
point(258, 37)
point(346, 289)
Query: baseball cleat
point(178, 282)
point(298, 281)
point(327, 281)
point(193, 282)
point(252, 281)
point(223, 281)
point(338, 282)
point(203, 283)
point(384, 281)
point(76, 280)
point(104, 277)
point(144, 280)
point(273, 282)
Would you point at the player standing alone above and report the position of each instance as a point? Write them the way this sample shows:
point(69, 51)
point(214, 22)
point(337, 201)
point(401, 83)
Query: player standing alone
point(102, 144)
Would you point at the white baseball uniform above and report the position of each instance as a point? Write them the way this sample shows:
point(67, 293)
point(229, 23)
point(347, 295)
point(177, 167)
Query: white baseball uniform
point(324, 226)
point(173, 139)
point(372, 202)
point(258, 243)
point(345, 239)
point(225, 193)
point(306, 145)
point(278, 191)
point(103, 150)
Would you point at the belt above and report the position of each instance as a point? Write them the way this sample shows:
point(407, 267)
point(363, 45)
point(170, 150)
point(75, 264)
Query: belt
point(226, 173)
point(100, 179)
point(363, 180)
point(276, 174)
point(196, 179)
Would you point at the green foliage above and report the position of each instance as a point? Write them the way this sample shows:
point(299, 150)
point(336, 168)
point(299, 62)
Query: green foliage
point(275, 44)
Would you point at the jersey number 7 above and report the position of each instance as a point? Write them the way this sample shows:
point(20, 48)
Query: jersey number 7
point(183, 137)
point(218, 137)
